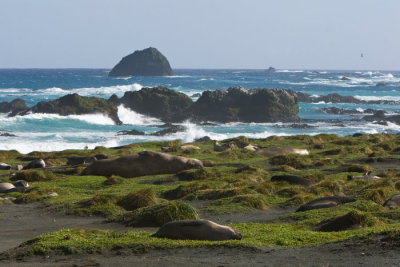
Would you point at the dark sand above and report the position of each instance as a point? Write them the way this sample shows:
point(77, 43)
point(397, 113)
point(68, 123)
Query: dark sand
point(19, 223)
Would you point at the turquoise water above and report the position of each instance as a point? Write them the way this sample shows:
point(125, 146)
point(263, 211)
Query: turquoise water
point(46, 132)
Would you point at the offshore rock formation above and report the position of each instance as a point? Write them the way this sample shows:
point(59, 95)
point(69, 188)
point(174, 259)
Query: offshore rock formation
point(336, 98)
point(147, 62)
point(240, 104)
point(160, 102)
point(75, 104)
point(14, 107)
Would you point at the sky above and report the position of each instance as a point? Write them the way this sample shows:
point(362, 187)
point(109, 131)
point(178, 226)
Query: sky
point(236, 34)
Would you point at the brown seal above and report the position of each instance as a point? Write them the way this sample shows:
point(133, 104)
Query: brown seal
point(197, 230)
point(143, 163)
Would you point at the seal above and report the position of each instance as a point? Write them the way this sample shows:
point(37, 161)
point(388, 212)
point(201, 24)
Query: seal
point(35, 164)
point(197, 230)
point(325, 202)
point(292, 179)
point(6, 187)
point(393, 202)
point(80, 160)
point(143, 163)
point(367, 176)
point(278, 151)
point(4, 166)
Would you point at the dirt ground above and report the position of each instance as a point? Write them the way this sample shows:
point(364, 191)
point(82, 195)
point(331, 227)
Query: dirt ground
point(19, 223)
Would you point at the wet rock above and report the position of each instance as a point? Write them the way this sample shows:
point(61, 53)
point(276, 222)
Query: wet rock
point(344, 78)
point(202, 139)
point(14, 107)
point(171, 130)
point(246, 105)
point(74, 104)
point(147, 62)
point(131, 132)
point(159, 102)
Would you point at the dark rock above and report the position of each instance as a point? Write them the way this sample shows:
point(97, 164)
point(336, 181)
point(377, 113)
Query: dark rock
point(160, 102)
point(344, 78)
point(75, 104)
point(358, 134)
point(342, 111)
point(296, 126)
point(35, 164)
point(8, 135)
point(271, 69)
point(379, 115)
point(196, 95)
point(203, 139)
point(171, 130)
point(131, 132)
point(147, 62)
point(80, 160)
point(292, 179)
point(325, 202)
point(380, 84)
point(240, 104)
point(16, 106)
point(101, 156)
point(336, 98)
point(114, 99)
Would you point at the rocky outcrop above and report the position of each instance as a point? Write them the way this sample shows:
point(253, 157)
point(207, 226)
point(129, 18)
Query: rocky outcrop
point(75, 104)
point(336, 98)
point(240, 104)
point(14, 107)
point(343, 111)
point(160, 102)
point(147, 62)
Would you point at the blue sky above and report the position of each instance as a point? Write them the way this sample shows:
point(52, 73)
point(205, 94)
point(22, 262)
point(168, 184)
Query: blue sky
point(295, 34)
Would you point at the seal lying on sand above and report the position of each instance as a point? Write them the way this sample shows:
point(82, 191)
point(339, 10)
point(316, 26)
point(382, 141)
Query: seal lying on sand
point(292, 179)
point(393, 202)
point(278, 151)
point(366, 176)
point(143, 163)
point(197, 230)
point(325, 202)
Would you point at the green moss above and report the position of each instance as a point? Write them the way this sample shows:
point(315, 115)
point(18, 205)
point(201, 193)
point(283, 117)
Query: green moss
point(34, 175)
point(139, 199)
point(160, 214)
point(293, 160)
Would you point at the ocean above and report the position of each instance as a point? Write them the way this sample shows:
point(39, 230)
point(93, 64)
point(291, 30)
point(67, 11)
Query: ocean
point(49, 132)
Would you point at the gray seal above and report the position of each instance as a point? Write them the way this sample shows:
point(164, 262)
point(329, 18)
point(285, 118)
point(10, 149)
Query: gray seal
point(197, 230)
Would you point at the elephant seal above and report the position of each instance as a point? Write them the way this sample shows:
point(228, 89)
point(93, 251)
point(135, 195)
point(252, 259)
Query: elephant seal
point(21, 185)
point(325, 202)
point(6, 187)
point(367, 176)
point(393, 202)
point(349, 221)
point(4, 166)
point(278, 151)
point(292, 179)
point(143, 163)
point(197, 230)
point(35, 164)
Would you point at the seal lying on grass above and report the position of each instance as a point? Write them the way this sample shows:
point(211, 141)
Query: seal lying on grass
point(292, 179)
point(325, 202)
point(197, 230)
point(277, 151)
point(143, 163)
point(393, 202)
point(366, 176)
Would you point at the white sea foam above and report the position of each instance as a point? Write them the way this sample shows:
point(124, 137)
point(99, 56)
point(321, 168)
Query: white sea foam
point(290, 71)
point(376, 98)
point(128, 116)
point(99, 119)
point(56, 91)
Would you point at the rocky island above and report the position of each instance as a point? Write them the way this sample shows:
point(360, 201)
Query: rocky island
point(147, 62)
